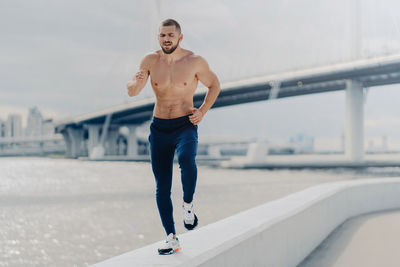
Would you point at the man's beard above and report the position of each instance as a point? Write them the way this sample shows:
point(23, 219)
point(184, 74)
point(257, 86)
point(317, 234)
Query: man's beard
point(171, 50)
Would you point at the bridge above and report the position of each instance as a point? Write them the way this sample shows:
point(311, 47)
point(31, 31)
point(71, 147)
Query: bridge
point(100, 129)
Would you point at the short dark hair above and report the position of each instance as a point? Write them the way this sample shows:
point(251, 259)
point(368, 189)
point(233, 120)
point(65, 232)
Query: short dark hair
point(171, 22)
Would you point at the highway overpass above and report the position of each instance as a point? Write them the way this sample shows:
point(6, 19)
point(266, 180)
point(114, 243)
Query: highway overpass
point(350, 76)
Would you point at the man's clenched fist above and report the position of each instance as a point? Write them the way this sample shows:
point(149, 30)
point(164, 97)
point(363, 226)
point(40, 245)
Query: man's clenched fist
point(140, 75)
point(196, 117)
point(136, 83)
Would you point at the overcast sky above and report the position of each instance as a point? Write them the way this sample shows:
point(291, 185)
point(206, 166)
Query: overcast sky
point(73, 57)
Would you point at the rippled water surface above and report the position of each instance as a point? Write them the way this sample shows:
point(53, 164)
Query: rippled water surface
point(62, 212)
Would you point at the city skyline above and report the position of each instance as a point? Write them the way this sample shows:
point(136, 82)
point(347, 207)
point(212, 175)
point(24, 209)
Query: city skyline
point(34, 124)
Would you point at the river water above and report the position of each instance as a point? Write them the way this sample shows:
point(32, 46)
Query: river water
point(64, 212)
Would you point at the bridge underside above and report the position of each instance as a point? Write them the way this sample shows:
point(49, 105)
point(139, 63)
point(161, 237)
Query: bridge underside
point(377, 75)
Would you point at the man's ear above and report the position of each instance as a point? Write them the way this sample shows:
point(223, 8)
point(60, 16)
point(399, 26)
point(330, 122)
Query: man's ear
point(181, 37)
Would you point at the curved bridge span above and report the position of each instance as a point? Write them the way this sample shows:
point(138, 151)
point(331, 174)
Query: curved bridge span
point(351, 76)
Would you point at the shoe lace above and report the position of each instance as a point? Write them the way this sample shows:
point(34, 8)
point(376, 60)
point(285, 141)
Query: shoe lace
point(188, 213)
point(168, 243)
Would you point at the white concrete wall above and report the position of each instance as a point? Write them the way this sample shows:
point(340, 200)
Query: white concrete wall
point(279, 233)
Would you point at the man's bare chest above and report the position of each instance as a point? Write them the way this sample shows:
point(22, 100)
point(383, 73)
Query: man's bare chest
point(172, 75)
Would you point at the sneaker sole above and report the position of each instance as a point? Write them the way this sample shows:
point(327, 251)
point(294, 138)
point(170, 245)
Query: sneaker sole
point(170, 252)
point(191, 226)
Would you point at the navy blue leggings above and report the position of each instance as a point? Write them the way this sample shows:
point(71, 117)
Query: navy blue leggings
point(166, 136)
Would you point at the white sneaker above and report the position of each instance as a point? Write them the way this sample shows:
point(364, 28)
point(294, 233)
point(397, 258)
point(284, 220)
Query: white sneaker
point(190, 219)
point(170, 246)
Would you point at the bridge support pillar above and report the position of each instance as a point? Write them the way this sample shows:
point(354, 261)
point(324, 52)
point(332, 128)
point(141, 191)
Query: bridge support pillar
point(98, 151)
point(94, 137)
point(354, 121)
point(132, 141)
point(73, 139)
point(112, 138)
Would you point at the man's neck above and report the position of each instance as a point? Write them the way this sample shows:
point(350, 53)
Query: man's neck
point(174, 56)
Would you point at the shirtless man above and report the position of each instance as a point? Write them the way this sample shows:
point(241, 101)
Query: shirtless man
point(175, 73)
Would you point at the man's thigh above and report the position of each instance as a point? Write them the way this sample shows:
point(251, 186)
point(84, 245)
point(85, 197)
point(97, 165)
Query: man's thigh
point(187, 142)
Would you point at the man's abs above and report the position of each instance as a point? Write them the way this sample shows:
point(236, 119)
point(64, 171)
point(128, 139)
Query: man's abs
point(171, 110)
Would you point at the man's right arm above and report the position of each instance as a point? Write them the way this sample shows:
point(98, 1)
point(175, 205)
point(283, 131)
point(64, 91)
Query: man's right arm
point(138, 82)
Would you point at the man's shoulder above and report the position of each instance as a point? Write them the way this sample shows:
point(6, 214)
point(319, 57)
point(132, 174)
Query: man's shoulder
point(200, 62)
point(193, 56)
point(196, 58)
point(149, 60)
point(151, 56)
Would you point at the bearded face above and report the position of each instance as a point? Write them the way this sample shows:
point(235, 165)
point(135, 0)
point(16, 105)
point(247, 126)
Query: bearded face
point(169, 48)
point(169, 39)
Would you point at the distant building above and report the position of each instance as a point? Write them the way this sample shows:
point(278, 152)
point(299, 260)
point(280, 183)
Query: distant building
point(14, 126)
point(3, 129)
point(377, 145)
point(384, 144)
point(343, 142)
point(303, 143)
point(37, 139)
point(48, 127)
point(34, 125)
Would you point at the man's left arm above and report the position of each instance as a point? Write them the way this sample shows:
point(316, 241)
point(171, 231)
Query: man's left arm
point(210, 80)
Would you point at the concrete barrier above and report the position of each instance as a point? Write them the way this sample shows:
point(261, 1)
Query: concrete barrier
point(279, 233)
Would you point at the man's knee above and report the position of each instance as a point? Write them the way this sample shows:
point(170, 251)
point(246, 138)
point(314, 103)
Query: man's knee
point(163, 192)
point(186, 160)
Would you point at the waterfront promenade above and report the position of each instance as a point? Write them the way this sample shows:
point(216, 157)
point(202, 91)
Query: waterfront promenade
point(283, 232)
point(371, 240)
